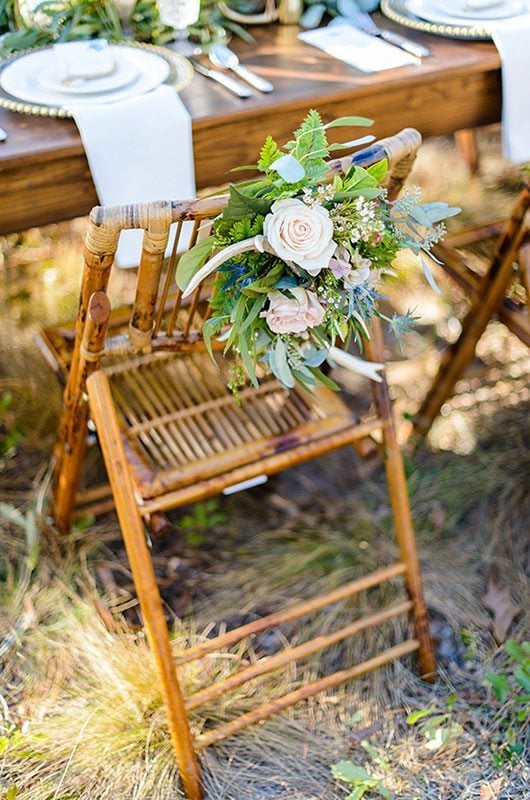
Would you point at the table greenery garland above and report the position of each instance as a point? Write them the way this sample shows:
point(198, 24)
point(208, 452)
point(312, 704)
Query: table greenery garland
point(70, 20)
point(300, 261)
point(73, 20)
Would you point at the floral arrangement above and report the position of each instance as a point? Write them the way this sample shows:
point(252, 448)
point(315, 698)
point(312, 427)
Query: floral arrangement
point(299, 261)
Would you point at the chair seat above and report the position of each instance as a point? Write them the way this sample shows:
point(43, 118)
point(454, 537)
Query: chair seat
point(181, 424)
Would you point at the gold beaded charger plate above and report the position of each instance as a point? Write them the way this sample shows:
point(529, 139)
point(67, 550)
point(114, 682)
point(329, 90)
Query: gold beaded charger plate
point(399, 11)
point(172, 69)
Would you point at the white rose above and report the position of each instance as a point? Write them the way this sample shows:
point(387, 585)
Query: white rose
point(301, 234)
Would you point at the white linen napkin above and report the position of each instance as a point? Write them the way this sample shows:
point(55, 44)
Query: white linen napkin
point(347, 43)
point(512, 38)
point(138, 150)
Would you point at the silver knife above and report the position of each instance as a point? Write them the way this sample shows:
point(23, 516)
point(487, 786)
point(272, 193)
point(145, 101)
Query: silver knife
point(237, 88)
point(413, 48)
point(3, 135)
point(365, 22)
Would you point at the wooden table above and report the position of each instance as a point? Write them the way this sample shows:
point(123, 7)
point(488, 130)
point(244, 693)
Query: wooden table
point(44, 175)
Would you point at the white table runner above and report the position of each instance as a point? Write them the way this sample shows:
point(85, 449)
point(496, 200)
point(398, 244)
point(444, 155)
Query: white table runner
point(512, 38)
point(138, 150)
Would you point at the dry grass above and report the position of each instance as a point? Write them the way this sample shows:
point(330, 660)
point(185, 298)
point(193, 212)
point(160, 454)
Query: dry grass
point(78, 680)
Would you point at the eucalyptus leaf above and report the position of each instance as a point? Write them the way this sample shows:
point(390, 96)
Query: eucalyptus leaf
point(243, 347)
point(283, 370)
point(430, 277)
point(312, 16)
point(288, 168)
point(436, 212)
point(192, 261)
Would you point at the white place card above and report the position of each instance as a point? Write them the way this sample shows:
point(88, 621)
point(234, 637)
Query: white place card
point(347, 43)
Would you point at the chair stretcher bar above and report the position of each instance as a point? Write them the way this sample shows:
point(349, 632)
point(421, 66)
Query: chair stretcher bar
point(258, 714)
point(295, 653)
point(291, 612)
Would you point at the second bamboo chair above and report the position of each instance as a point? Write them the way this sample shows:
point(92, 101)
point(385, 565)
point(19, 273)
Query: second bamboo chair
point(171, 433)
point(510, 260)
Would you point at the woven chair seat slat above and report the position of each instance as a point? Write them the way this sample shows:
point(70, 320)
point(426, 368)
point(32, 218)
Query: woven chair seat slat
point(177, 413)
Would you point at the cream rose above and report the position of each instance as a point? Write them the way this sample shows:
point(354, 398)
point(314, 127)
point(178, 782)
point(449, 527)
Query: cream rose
point(301, 234)
point(293, 315)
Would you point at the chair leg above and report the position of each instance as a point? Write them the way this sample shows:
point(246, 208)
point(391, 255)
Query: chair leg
point(466, 144)
point(486, 302)
point(71, 444)
point(524, 271)
point(131, 524)
point(399, 501)
point(458, 357)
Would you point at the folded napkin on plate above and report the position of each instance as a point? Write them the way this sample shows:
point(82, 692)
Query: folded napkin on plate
point(138, 150)
point(512, 38)
point(347, 43)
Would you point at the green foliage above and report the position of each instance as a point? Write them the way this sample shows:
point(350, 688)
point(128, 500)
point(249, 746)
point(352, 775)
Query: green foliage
point(438, 729)
point(203, 517)
point(71, 20)
point(511, 691)
point(191, 261)
point(269, 153)
point(360, 781)
point(4, 16)
point(11, 432)
point(245, 204)
point(27, 521)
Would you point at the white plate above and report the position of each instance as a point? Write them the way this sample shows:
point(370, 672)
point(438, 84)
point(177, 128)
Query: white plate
point(429, 10)
point(21, 78)
point(124, 74)
point(459, 9)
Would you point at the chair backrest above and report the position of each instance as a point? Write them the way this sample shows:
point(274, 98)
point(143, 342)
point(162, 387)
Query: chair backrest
point(160, 319)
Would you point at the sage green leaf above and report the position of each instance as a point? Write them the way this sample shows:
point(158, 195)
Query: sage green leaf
point(238, 314)
point(255, 309)
point(192, 261)
point(430, 277)
point(351, 773)
point(281, 367)
point(243, 347)
point(312, 16)
point(436, 212)
point(344, 122)
point(211, 327)
point(324, 379)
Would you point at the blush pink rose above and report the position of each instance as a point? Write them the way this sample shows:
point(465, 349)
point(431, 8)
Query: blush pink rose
point(293, 314)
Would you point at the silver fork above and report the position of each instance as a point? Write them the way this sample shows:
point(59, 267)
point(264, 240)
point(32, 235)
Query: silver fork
point(366, 23)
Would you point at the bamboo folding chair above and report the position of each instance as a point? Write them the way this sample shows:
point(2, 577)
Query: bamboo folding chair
point(171, 433)
point(488, 295)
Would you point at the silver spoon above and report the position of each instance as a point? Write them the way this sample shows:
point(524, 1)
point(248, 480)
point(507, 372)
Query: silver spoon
point(222, 56)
